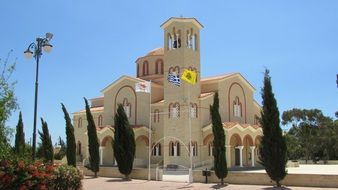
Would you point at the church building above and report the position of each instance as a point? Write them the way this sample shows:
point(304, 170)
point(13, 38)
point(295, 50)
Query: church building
point(174, 117)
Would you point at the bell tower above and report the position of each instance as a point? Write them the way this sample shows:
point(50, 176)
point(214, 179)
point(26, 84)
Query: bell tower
point(181, 52)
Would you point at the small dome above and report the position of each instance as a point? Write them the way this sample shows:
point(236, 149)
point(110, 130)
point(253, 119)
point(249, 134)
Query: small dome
point(156, 51)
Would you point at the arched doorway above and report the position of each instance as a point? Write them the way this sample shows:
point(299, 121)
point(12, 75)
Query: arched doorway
point(236, 144)
point(142, 151)
point(108, 152)
point(247, 143)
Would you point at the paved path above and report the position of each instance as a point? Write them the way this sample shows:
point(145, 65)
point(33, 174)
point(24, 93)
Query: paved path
point(103, 183)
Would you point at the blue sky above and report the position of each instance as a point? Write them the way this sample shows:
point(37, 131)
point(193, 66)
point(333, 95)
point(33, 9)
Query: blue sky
point(95, 42)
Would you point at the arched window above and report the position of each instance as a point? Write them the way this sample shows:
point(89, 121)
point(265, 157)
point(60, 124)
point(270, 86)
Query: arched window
point(177, 147)
point(194, 148)
point(174, 110)
point(127, 107)
point(237, 107)
point(193, 110)
point(156, 149)
point(156, 116)
point(177, 39)
point(99, 121)
point(138, 70)
point(79, 148)
point(195, 42)
point(210, 147)
point(174, 148)
point(79, 123)
point(145, 68)
point(171, 148)
point(159, 66)
point(175, 70)
point(170, 42)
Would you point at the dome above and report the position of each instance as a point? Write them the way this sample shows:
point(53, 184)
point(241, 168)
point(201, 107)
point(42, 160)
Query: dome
point(156, 51)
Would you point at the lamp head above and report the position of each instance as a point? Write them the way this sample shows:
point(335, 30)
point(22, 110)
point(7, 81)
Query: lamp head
point(28, 54)
point(47, 47)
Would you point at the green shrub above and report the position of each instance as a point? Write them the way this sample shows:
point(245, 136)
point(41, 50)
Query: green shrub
point(67, 177)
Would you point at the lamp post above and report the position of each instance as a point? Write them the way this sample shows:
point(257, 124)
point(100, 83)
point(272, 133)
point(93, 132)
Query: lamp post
point(35, 49)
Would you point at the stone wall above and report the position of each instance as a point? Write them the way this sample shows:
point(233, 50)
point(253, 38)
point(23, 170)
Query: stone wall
point(304, 180)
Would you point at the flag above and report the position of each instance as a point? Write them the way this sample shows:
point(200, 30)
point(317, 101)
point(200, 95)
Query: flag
point(143, 87)
point(189, 76)
point(174, 79)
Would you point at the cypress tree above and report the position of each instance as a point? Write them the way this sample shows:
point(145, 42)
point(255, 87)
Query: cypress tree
point(94, 155)
point(220, 163)
point(71, 145)
point(46, 141)
point(19, 147)
point(124, 143)
point(273, 146)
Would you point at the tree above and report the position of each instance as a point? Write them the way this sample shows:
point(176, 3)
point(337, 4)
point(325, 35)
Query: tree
point(63, 149)
point(8, 102)
point(124, 143)
point(94, 157)
point(46, 142)
point(19, 147)
point(313, 132)
point(273, 147)
point(220, 163)
point(71, 145)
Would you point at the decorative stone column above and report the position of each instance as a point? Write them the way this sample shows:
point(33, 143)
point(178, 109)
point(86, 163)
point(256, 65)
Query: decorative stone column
point(240, 155)
point(252, 155)
point(101, 154)
point(228, 155)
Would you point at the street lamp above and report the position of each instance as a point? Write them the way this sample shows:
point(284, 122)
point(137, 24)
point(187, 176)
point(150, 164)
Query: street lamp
point(35, 49)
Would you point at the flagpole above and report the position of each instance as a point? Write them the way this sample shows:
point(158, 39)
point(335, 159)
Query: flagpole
point(189, 115)
point(150, 145)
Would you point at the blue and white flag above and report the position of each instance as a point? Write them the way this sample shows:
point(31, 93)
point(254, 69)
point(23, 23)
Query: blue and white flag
point(174, 79)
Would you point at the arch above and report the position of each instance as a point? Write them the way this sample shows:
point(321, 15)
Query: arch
point(208, 138)
point(170, 42)
point(171, 108)
point(210, 147)
point(195, 42)
point(156, 116)
point(159, 66)
point(171, 148)
point(236, 83)
point(175, 69)
point(156, 149)
point(193, 145)
point(194, 110)
point(145, 68)
point(162, 67)
point(236, 140)
point(135, 103)
point(105, 140)
point(143, 138)
point(247, 140)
